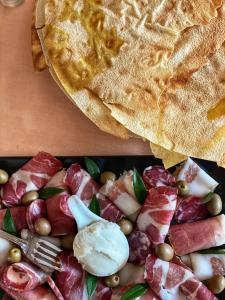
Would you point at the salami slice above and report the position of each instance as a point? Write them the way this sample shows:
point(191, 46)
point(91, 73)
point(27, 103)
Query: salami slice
point(36, 210)
point(139, 245)
point(31, 177)
point(155, 176)
point(190, 209)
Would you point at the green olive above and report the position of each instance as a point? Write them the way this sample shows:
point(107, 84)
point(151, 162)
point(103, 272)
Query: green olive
point(29, 197)
point(15, 255)
point(42, 226)
point(4, 177)
point(216, 284)
point(112, 281)
point(164, 251)
point(67, 241)
point(105, 176)
point(126, 226)
point(183, 188)
point(215, 205)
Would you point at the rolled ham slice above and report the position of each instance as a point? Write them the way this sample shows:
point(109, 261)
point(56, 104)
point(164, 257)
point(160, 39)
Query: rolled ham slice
point(37, 209)
point(190, 237)
point(58, 212)
point(157, 212)
point(81, 183)
point(30, 177)
point(199, 182)
point(102, 292)
point(71, 279)
point(173, 282)
point(205, 266)
point(155, 176)
point(18, 215)
point(120, 192)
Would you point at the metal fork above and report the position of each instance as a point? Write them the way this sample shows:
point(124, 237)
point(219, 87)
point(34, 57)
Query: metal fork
point(41, 252)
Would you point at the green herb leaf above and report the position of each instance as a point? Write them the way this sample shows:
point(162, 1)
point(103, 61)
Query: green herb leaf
point(92, 168)
point(207, 198)
point(212, 251)
point(50, 192)
point(94, 206)
point(91, 283)
point(139, 187)
point(135, 291)
point(8, 223)
point(2, 293)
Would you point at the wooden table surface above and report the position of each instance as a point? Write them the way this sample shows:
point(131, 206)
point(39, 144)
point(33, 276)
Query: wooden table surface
point(34, 114)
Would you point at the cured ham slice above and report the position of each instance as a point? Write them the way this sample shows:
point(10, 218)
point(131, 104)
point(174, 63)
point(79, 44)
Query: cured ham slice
point(18, 215)
point(108, 210)
point(30, 177)
point(59, 215)
point(199, 182)
point(190, 209)
point(102, 292)
point(139, 246)
point(120, 192)
point(173, 282)
point(22, 276)
point(38, 293)
point(157, 213)
point(71, 279)
point(121, 290)
point(205, 266)
point(36, 210)
point(80, 182)
point(190, 237)
point(155, 176)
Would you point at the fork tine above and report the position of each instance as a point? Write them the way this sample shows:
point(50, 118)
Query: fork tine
point(45, 263)
point(50, 245)
point(41, 254)
point(54, 254)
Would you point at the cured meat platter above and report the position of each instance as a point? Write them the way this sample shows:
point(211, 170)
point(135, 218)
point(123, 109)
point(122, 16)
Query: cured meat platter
point(119, 164)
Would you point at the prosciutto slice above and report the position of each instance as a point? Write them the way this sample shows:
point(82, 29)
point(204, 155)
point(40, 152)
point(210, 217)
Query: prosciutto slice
point(18, 215)
point(157, 212)
point(71, 279)
point(205, 266)
point(190, 209)
point(81, 183)
point(36, 210)
point(31, 177)
point(121, 193)
point(155, 176)
point(173, 282)
point(108, 210)
point(59, 215)
point(102, 292)
point(190, 237)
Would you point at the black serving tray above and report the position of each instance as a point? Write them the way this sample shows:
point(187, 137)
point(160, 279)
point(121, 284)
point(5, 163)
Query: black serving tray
point(118, 164)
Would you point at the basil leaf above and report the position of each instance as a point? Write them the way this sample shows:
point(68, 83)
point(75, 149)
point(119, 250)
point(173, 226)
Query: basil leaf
point(8, 223)
point(94, 206)
point(50, 192)
point(2, 293)
point(135, 291)
point(207, 198)
point(139, 187)
point(91, 283)
point(92, 168)
point(212, 251)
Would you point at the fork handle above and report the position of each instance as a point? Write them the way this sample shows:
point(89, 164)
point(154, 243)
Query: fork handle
point(20, 242)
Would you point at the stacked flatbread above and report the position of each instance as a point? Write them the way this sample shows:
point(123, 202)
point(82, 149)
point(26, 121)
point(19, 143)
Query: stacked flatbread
point(153, 69)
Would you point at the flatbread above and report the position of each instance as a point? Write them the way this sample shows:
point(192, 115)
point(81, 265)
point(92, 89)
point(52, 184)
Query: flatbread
point(169, 158)
point(85, 100)
point(36, 49)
